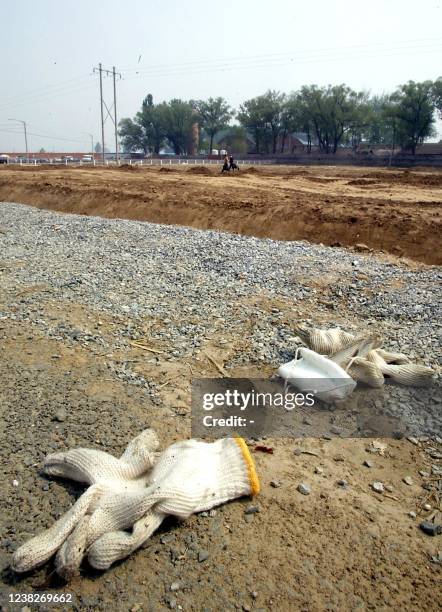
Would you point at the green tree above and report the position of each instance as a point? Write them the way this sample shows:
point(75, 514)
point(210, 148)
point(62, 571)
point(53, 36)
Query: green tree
point(413, 106)
point(132, 136)
point(251, 117)
point(178, 119)
point(152, 122)
point(214, 115)
point(333, 112)
point(264, 116)
point(293, 119)
point(235, 140)
point(379, 120)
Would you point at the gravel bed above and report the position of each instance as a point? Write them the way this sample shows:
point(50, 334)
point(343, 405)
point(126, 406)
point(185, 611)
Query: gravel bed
point(202, 284)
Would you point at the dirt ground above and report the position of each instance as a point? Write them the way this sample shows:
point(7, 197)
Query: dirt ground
point(340, 548)
point(397, 211)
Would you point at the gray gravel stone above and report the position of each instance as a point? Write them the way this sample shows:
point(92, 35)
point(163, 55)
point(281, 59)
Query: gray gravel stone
point(378, 487)
point(203, 555)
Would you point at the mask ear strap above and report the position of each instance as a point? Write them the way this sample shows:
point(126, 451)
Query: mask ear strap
point(296, 353)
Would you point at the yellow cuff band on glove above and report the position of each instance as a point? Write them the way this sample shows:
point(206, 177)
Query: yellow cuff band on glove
point(253, 476)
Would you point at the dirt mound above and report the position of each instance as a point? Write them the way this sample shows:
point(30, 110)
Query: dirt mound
point(250, 170)
point(406, 178)
point(390, 216)
point(129, 167)
point(199, 170)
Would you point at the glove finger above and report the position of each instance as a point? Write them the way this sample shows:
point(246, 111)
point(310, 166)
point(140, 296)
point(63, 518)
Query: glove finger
point(38, 550)
point(81, 464)
point(117, 545)
point(139, 455)
point(71, 553)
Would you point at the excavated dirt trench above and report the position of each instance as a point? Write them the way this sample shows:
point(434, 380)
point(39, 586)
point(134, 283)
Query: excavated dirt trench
point(394, 211)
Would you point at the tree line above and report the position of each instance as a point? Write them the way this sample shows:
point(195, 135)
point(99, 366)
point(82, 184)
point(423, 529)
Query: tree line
point(329, 116)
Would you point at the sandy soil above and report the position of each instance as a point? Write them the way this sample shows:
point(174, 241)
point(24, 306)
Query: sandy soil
point(397, 211)
point(336, 549)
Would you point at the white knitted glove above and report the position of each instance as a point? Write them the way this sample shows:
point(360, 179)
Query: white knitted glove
point(190, 476)
point(363, 358)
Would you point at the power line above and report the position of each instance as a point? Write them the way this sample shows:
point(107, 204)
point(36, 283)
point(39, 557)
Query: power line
point(317, 54)
point(175, 71)
point(43, 88)
point(43, 136)
point(42, 97)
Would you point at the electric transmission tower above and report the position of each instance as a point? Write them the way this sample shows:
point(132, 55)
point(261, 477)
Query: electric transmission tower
point(113, 107)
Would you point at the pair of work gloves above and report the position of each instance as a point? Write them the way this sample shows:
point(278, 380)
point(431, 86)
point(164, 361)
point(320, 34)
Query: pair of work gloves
point(129, 497)
point(335, 361)
point(363, 358)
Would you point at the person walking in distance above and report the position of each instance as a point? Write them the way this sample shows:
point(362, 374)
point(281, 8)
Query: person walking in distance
point(225, 164)
point(232, 164)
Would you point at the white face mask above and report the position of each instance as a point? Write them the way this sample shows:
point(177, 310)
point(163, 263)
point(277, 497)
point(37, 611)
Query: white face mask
point(319, 375)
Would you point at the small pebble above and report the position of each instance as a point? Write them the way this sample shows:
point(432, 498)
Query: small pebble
point(412, 514)
point(304, 489)
point(368, 463)
point(408, 480)
point(427, 507)
point(414, 441)
point(203, 555)
point(15, 483)
point(336, 430)
point(431, 529)
point(378, 487)
point(319, 470)
point(275, 484)
point(60, 415)
point(342, 483)
point(175, 586)
point(389, 488)
point(252, 510)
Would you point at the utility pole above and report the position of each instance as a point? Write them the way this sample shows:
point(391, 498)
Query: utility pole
point(100, 70)
point(26, 136)
point(115, 115)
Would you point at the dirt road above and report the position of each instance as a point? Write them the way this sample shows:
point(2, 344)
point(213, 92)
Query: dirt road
point(398, 211)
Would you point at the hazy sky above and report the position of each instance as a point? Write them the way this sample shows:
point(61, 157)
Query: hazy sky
point(196, 49)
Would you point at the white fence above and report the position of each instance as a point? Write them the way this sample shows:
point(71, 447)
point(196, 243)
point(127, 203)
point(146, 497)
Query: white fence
point(138, 162)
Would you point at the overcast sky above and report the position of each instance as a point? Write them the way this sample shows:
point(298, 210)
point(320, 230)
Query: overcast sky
point(196, 49)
